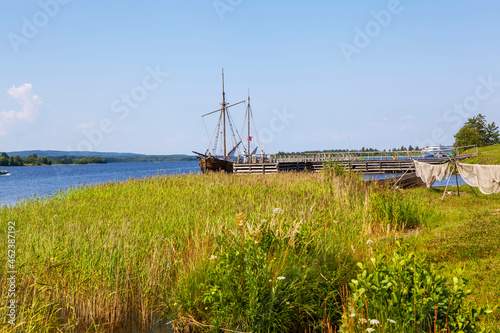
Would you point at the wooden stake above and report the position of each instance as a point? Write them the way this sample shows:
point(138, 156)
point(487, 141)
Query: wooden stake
point(444, 193)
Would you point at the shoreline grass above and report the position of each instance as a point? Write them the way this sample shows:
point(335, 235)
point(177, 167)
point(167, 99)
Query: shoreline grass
point(97, 257)
point(489, 155)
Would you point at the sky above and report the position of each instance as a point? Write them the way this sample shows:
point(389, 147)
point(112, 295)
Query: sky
point(136, 76)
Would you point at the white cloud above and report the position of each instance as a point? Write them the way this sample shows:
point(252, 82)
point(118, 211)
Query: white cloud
point(29, 107)
point(86, 126)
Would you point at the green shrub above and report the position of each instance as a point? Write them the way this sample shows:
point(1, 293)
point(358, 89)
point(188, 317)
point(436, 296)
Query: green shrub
point(406, 294)
point(265, 280)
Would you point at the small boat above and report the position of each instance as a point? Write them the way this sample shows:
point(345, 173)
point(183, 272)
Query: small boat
point(4, 173)
point(210, 160)
point(437, 151)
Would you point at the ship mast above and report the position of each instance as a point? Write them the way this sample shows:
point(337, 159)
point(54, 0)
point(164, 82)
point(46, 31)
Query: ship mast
point(248, 114)
point(224, 113)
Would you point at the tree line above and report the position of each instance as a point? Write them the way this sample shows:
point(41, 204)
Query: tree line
point(33, 159)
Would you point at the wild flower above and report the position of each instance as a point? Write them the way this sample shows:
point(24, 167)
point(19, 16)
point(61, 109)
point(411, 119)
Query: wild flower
point(391, 321)
point(277, 211)
point(281, 277)
point(369, 329)
point(362, 320)
point(374, 322)
point(212, 257)
point(352, 315)
point(369, 242)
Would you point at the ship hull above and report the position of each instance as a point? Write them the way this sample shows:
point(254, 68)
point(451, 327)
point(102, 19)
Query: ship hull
point(215, 165)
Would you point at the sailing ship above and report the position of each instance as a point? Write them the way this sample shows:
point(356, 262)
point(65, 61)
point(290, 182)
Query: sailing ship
point(211, 160)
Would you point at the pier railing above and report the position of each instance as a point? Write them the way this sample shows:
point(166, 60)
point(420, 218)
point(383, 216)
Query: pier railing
point(348, 156)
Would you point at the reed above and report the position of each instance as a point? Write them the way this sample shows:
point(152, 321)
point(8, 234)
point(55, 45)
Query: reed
point(113, 254)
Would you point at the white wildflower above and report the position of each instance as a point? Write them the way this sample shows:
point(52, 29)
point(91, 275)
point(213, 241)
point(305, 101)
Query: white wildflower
point(391, 321)
point(374, 322)
point(277, 211)
point(362, 320)
point(369, 329)
point(212, 257)
point(281, 277)
point(369, 242)
point(335, 221)
point(353, 315)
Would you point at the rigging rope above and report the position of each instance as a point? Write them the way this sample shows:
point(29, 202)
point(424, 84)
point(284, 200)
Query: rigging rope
point(232, 129)
point(208, 135)
point(214, 150)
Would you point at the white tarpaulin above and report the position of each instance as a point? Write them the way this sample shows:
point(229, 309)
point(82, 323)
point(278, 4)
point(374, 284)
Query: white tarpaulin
point(485, 177)
point(429, 173)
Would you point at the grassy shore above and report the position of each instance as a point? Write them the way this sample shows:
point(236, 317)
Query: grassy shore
point(489, 155)
point(467, 235)
point(209, 252)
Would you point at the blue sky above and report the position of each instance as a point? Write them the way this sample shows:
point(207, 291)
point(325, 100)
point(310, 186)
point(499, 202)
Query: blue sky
point(322, 74)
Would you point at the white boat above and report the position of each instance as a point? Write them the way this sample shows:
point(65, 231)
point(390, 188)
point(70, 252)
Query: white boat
point(438, 151)
point(4, 173)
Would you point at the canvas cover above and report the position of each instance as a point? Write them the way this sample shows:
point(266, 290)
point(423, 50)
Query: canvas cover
point(429, 173)
point(484, 177)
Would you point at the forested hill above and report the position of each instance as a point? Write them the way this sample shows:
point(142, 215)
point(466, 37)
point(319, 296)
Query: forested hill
point(109, 156)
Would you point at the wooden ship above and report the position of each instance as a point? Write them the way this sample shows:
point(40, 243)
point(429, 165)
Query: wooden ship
point(211, 160)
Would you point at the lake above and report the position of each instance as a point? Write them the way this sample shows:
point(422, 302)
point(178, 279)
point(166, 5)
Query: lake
point(39, 181)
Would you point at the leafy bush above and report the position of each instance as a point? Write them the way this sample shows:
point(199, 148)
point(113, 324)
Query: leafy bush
point(406, 294)
point(263, 280)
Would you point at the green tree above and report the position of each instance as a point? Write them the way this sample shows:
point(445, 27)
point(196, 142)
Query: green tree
point(4, 161)
point(15, 161)
point(476, 131)
point(43, 160)
point(492, 135)
point(31, 159)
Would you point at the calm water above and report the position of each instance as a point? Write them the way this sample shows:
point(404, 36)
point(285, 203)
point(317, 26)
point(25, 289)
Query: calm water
point(436, 183)
point(30, 181)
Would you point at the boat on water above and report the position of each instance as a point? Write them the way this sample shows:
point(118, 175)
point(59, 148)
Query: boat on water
point(437, 151)
point(223, 160)
point(4, 173)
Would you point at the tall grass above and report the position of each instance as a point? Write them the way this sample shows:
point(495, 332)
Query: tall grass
point(116, 253)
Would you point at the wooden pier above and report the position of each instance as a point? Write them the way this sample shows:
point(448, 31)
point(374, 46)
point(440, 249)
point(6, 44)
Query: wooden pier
point(365, 162)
